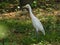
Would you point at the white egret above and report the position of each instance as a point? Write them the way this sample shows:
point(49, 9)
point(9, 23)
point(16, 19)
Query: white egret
point(35, 21)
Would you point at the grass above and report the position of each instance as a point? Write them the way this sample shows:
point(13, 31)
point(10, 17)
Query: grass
point(23, 33)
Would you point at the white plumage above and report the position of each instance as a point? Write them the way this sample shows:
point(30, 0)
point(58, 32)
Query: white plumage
point(35, 21)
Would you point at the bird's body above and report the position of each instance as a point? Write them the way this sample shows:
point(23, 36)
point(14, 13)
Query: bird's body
point(37, 24)
point(35, 21)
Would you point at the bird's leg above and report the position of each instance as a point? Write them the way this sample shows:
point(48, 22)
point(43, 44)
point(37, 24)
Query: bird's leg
point(37, 35)
point(36, 32)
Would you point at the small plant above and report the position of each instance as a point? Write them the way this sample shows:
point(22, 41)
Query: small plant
point(4, 31)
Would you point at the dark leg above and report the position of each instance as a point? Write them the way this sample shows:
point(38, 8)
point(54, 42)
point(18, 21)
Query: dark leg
point(37, 35)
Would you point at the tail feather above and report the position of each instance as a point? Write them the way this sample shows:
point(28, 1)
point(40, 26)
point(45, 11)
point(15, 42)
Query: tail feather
point(43, 32)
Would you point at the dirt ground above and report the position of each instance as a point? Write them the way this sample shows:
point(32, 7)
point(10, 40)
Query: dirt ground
point(37, 12)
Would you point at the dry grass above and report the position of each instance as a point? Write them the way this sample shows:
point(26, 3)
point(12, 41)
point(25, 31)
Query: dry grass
point(37, 12)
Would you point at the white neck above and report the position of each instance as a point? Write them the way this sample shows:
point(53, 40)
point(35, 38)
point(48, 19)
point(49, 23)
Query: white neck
point(30, 11)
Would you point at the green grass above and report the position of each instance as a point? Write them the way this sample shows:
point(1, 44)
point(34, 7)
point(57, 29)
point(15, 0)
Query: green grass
point(26, 33)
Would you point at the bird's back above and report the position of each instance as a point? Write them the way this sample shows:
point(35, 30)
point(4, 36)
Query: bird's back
point(37, 24)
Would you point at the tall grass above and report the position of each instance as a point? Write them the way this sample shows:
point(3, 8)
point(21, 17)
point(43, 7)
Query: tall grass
point(23, 33)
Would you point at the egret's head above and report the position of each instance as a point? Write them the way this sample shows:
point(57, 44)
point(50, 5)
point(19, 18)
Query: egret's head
point(27, 6)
